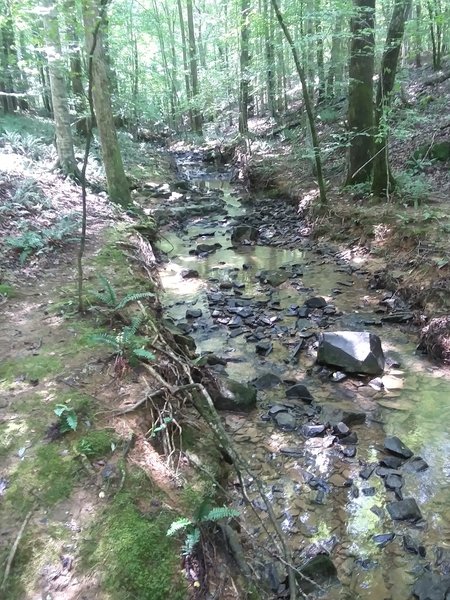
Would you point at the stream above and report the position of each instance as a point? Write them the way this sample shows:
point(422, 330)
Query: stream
point(326, 492)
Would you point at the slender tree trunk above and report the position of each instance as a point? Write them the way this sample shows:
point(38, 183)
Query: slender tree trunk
point(332, 75)
point(270, 58)
point(187, 81)
point(9, 77)
point(64, 141)
point(244, 63)
point(418, 35)
point(76, 65)
point(118, 188)
point(307, 101)
point(196, 114)
point(383, 181)
point(360, 102)
point(319, 55)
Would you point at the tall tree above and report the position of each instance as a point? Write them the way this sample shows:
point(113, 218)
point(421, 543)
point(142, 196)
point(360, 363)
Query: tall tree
point(118, 188)
point(244, 63)
point(187, 80)
point(193, 65)
point(360, 95)
point(58, 78)
point(76, 64)
point(383, 181)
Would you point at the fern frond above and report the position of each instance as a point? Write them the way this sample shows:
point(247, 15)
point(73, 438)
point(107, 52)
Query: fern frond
point(143, 353)
point(105, 338)
point(178, 525)
point(220, 512)
point(109, 293)
point(192, 539)
point(129, 298)
point(131, 330)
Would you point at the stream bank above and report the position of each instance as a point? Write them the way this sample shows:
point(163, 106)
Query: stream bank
point(254, 308)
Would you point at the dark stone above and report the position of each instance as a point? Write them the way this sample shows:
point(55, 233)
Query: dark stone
point(367, 471)
point(383, 539)
point(299, 391)
point(377, 510)
point(404, 510)
point(395, 446)
point(352, 351)
point(312, 430)
point(236, 321)
point(303, 312)
point(264, 347)
point(233, 395)
point(341, 429)
point(393, 482)
point(320, 569)
point(412, 546)
point(277, 408)
point(369, 491)
point(236, 332)
point(266, 381)
point(316, 302)
point(189, 274)
point(384, 472)
point(391, 462)
point(193, 313)
point(432, 586)
point(397, 317)
point(226, 285)
point(416, 465)
point(350, 439)
point(242, 233)
point(349, 451)
point(207, 248)
point(320, 497)
point(292, 451)
point(285, 421)
point(273, 278)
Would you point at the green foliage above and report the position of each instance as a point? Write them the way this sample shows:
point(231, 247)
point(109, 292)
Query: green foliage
point(27, 196)
point(137, 557)
point(31, 241)
point(108, 296)
point(414, 190)
point(68, 420)
point(192, 528)
point(127, 343)
point(96, 444)
point(6, 290)
point(25, 144)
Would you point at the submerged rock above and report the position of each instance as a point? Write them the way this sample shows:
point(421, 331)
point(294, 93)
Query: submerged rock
point(285, 420)
point(299, 391)
point(404, 510)
point(193, 313)
point(266, 381)
point(352, 351)
point(273, 278)
point(316, 302)
point(395, 446)
point(432, 586)
point(242, 233)
point(320, 569)
point(233, 395)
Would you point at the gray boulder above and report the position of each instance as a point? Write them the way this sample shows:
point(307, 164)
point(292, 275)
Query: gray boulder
point(432, 586)
point(352, 351)
point(273, 278)
point(404, 510)
point(232, 395)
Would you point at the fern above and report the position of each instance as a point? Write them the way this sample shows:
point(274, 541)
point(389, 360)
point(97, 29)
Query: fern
point(220, 512)
point(107, 339)
point(179, 525)
point(131, 330)
point(192, 539)
point(143, 353)
point(109, 296)
point(129, 298)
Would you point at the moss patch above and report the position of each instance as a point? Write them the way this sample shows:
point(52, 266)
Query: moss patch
point(32, 367)
point(95, 444)
point(137, 558)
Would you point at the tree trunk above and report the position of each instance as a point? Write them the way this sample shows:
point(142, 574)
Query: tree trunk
point(360, 101)
point(334, 73)
point(64, 141)
point(418, 35)
point(319, 55)
point(270, 59)
point(244, 64)
point(383, 182)
point(307, 101)
point(118, 188)
point(9, 77)
point(196, 114)
point(187, 81)
point(76, 65)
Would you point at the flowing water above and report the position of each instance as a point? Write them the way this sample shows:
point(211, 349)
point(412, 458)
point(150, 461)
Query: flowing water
point(317, 492)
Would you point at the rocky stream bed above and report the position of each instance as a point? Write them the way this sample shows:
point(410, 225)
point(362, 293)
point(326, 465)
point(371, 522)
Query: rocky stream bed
point(357, 466)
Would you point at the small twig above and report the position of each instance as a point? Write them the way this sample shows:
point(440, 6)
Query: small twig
point(13, 551)
point(141, 402)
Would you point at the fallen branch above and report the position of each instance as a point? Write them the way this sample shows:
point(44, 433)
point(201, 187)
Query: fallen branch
point(14, 548)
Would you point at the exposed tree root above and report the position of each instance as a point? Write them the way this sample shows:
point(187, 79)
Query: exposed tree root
point(435, 339)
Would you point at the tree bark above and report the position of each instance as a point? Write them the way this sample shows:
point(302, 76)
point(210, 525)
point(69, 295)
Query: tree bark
point(187, 81)
point(193, 65)
point(76, 64)
point(64, 140)
point(383, 181)
point(244, 64)
point(360, 102)
point(117, 183)
point(270, 58)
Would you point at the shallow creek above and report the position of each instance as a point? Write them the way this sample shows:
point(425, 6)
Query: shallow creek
point(317, 491)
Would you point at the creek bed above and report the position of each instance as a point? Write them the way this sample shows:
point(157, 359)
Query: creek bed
point(318, 494)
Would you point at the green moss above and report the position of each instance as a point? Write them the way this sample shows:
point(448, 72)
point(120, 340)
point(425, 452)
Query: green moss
point(48, 477)
point(96, 444)
point(32, 367)
point(138, 559)
point(7, 290)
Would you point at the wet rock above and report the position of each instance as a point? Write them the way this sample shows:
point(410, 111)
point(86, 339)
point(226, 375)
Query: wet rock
point(416, 465)
point(233, 395)
point(299, 391)
point(398, 317)
point(393, 482)
point(383, 539)
point(338, 376)
point(391, 462)
point(432, 586)
point(319, 497)
point(384, 472)
point(193, 313)
point(304, 312)
point(312, 430)
point(367, 471)
point(266, 381)
point(273, 278)
point(349, 451)
point(189, 274)
point(404, 510)
point(289, 451)
point(316, 302)
point(242, 233)
point(235, 322)
point(339, 480)
point(226, 285)
point(320, 569)
point(352, 351)
point(341, 429)
point(349, 439)
point(285, 421)
point(236, 332)
point(395, 446)
point(369, 491)
point(412, 546)
point(377, 510)
point(264, 347)
point(277, 408)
